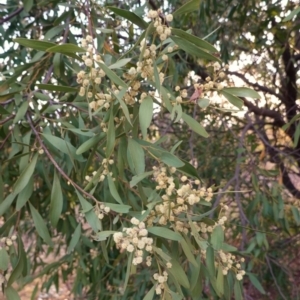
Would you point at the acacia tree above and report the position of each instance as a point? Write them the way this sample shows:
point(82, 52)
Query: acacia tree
point(93, 170)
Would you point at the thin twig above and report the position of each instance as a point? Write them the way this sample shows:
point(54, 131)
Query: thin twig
point(55, 164)
point(274, 278)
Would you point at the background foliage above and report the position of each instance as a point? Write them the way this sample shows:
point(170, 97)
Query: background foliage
point(50, 141)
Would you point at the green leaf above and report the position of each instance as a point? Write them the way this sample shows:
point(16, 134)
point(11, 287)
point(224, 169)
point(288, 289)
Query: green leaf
point(40, 225)
point(21, 112)
point(25, 194)
point(189, 169)
point(27, 4)
point(3, 111)
point(6, 203)
point(120, 63)
point(145, 115)
point(238, 295)
point(57, 88)
point(128, 269)
point(188, 7)
point(11, 294)
point(291, 15)
point(113, 190)
point(87, 145)
point(171, 160)
point(210, 261)
point(165, 233)
point(75, 238)
point(113, 76)
point(130, 16)
point(179, 274)
point(233, 99)
point(150, 294)
point(194, 125)
point(34, 44)
point(124, 107)
point(242, 92)
point(162, 254)
point(122, 209)
point(137, 178)
point(66, 49)
point(57, 30)
point(193, 49)
point(217, 237)
point(228, 248)
point(137, 156)
point(21, 263)
point(203, 102)
point(4, 259)
point(103, 235)
point(194, 40)
point(56, 204)
point(220, 281)
point(25, 176)
point(63, 146)
point(111, 135)
point(256, 283)
point(188, 252)
point(86, 206)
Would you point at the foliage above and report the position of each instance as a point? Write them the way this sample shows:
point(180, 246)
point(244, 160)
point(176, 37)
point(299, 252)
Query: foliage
point(121, 164)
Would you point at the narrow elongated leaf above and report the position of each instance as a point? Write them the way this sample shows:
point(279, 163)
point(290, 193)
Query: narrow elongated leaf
point(189, 169)
point(150, 294)
point(145, 115)
point(66, 48)
point(194, 40)
point(129, 264)
point(194, 125)
point(137, 178)
point(40, 225)
point(210, 261)
point(103, 235)
point(6, 203)
point(21, 263)
point(119, 208)
point(179, 274)
point(21, 112)
point(56, 204)
point(193, 49)
point(217, 237)
point(238, 295)
point(11, 294)
point(57, 88)
point(188, 7)
point(113, 190)
point(188, 252)
point(233, 99)
point(34, 44)
point(75, 238)
point(124, 107)
point(242, 92)
point(63, 146)
point(111, 135)
point(137, 156)
point(292, 14)
point(87, 145)
point(25, 194)
point(256, 283)
point(86, 206)
point(130, 16)
point(171, 160)
point(120, 63)
point(113, 76)
point(4, 259)
point(25, 176)
point(165, 233)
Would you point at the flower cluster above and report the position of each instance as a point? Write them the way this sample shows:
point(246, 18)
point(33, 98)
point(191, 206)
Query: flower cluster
point(135, 239)
point(6, 242)
point(176, 199)
point(101, 210)
point(229, 261)
point(161, 279)
point(104, 172)
point(160, 23)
